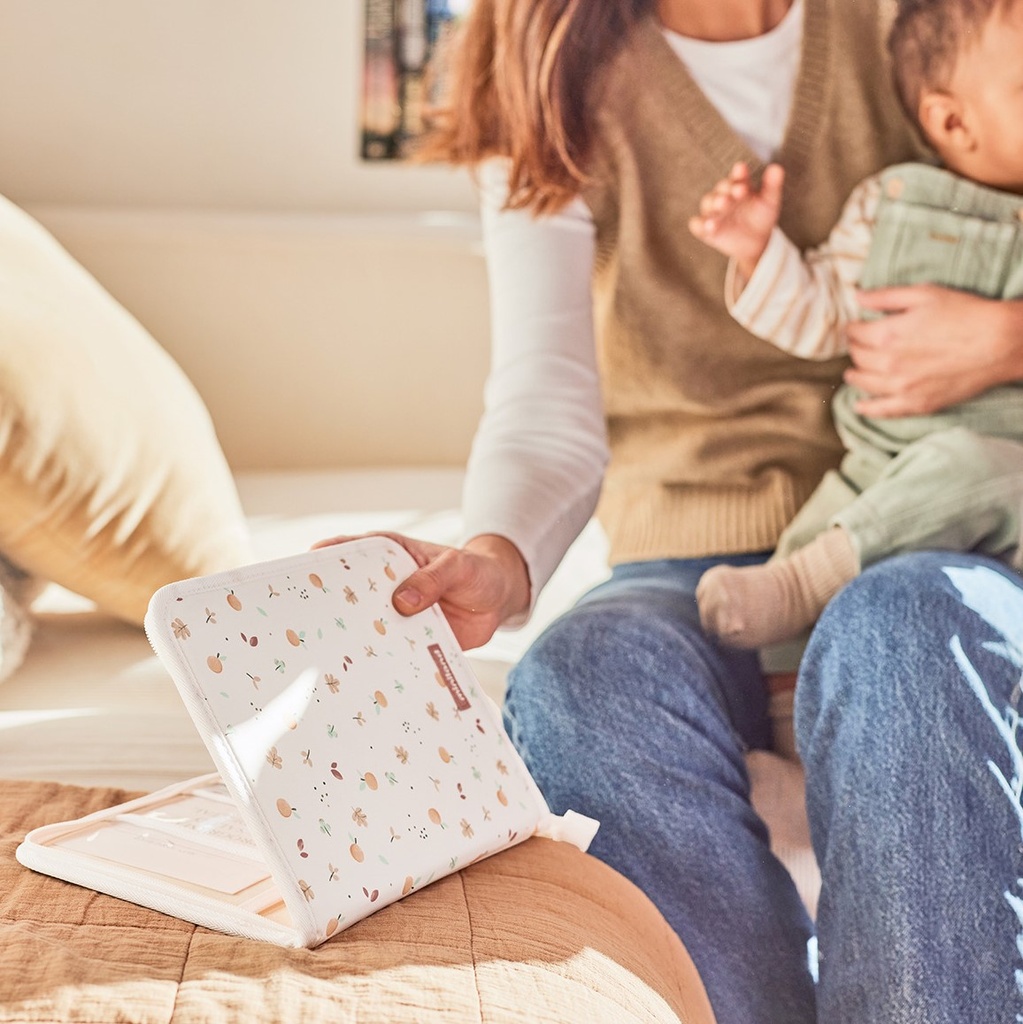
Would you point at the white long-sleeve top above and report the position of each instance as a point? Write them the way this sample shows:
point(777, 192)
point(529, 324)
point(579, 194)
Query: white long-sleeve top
point(538, 458)
point(802, 302)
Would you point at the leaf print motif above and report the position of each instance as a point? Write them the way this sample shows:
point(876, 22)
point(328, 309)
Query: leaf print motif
point(359, 817)
point(180, 629)
point(274, 759)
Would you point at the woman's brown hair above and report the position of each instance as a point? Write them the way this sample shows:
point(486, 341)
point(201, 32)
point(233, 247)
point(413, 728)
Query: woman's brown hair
point(520, 83)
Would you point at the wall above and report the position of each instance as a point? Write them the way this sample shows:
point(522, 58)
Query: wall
point(200, 158)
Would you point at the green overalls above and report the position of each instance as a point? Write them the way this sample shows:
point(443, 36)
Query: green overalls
point(952, 479)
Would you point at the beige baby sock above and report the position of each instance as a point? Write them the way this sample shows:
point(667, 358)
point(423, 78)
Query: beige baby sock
point(753, 606)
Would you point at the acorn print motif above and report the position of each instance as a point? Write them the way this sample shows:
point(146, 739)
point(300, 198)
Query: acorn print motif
point(346, 727)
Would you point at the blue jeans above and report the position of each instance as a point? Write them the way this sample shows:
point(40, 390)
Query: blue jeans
point(625, 710)
point(907, 716)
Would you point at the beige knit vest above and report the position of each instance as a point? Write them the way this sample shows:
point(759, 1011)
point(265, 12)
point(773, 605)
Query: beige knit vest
point(716, 436)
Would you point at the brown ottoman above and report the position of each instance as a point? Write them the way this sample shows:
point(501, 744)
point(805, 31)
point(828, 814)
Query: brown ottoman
point(538, 933)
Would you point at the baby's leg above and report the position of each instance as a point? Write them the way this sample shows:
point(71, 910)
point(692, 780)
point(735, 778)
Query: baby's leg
point(952, 490)
point(753, 606)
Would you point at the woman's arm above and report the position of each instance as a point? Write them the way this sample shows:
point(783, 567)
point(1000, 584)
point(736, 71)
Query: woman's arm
point(538, 458)
point(935, 348)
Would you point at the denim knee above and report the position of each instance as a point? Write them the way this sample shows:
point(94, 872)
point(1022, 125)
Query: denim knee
point(884, 640)
point(907, 722)
point(882, 690)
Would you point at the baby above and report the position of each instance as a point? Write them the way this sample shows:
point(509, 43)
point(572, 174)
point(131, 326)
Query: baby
point(950, 480)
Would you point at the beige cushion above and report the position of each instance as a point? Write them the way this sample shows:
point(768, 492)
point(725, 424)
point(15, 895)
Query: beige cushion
point(538, 934)
point(112, 479)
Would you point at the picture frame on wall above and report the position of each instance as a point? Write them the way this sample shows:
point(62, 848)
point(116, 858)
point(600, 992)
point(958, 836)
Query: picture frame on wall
point(403, 42)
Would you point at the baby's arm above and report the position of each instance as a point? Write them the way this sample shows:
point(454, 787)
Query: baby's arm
point(802, 303)
point(737, 220)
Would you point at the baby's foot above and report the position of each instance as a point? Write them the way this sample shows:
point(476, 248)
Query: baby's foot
point(754, 606)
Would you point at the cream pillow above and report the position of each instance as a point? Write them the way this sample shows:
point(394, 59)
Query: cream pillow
point(112, 481)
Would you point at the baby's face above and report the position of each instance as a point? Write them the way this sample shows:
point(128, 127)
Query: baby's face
point(988, 80)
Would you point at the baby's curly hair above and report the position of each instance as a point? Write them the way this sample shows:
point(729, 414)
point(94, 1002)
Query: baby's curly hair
point(926, 39)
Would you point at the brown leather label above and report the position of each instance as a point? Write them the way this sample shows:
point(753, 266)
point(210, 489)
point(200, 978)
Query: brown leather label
point(447, 677)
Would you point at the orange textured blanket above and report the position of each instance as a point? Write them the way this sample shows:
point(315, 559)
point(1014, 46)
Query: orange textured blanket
point(541, 932)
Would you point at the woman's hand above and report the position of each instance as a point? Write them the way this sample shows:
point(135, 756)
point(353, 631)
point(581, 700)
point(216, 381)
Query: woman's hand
point(477, 587)
point(934, 348)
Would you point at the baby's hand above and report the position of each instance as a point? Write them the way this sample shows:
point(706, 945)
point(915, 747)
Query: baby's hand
point(738, 221)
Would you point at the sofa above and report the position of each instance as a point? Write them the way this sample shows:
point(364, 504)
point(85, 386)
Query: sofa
point(210, 352)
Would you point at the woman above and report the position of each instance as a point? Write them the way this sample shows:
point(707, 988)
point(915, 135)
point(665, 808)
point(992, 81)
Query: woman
point(616, 371)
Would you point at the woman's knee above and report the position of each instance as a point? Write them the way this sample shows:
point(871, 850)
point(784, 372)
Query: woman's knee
point(606, 657)
point(882, 660)
point(611, 678)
